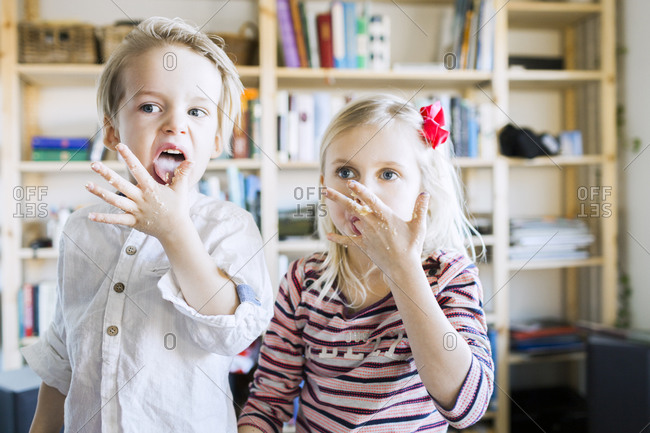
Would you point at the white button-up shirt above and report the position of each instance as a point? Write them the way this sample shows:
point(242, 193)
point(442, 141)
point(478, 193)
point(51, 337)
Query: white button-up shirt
point(126, 349)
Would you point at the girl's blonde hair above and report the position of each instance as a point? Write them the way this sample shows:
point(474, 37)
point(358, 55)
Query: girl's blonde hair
point(156, 32)
point(447, 225)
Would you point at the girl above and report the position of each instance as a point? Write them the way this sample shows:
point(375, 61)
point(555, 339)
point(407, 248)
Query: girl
point(386, 328)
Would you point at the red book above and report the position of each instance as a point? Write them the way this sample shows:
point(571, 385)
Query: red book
point(324, 25)
point(28, 309)
point(300, 38)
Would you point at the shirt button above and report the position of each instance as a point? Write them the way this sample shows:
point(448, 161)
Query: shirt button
point(112, 330)
point(130, 250)
point(118, 287)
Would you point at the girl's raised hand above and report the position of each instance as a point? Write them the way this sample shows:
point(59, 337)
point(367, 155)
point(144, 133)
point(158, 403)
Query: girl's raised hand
point(149, 207)
point(386, 238)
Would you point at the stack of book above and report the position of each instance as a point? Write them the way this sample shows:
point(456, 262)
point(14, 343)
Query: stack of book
point(549, 238)
point(473, 35)
point(542, 337)
point(471, 126)
point(302, 118)
point(36, 304)
point(59, 148)
point(242, 189)
point(342, 35)
point(570, 143)
point(247, 134)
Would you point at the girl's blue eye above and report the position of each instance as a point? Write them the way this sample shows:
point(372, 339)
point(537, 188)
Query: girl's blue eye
point(196, 112)
point(345, 173)
point(149, 108)
point(388, 175)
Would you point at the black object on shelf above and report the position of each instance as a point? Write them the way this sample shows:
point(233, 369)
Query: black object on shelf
point(528, 62)
point(555, 410)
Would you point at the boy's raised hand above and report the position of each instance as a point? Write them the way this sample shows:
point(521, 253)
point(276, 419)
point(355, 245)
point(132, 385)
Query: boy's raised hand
point(149, 207)
point(385, 237)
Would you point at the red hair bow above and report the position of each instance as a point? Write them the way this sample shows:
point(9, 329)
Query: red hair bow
point(433, 121)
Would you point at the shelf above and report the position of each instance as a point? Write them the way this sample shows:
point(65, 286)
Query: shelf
point(555, 160)
point(461, 162)
point(48, 74)
point(301, 246)
point(516, 265)
point(536, 79)
point(488, 240)
point(364, 78)
point(522, 358)
point(466, 162)
point(41, 253)
point(300, 165)
point(84, 166)
point(240, 163)
point(549, 14)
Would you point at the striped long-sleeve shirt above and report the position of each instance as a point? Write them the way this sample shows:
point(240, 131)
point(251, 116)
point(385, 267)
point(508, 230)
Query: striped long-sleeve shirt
point(358, 370)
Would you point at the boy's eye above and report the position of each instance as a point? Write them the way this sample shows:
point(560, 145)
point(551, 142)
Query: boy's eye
point(197, 112)
point(344, 173)
point(388, 175)
point(150, 108)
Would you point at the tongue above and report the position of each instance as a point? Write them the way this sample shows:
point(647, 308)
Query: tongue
point(165, 165)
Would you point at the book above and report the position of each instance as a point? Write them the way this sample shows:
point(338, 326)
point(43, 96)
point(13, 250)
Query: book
point(305, 32)
point(460, 13)
point(255, 133)
point(306, 132)
point(545, 336)
point(46, 305)
point(338, 35)
point(322, 117)
point(28, 310)
point(298, 33)
point(58, 143)
point(362, 39)
point(59, 155)
point(312, 10)
point(350, 23)
point(252, 188)
point(287, 35)
point(235, 189)
point(282, 106)
point(324, 27)
point(293, 122)
point(485, 50)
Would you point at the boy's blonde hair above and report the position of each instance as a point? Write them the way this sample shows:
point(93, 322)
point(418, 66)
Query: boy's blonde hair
point(156, 32)
point(447, 225)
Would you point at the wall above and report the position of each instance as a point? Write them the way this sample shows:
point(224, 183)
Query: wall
point(634, 186)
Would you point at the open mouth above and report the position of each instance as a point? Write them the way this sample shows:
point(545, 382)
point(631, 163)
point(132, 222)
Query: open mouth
point(356, 231)
point(166, 163)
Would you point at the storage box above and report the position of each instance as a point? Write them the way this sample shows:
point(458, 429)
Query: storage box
point(242, 47)
point(110, 37)
point(18, 396)
point(49, 42)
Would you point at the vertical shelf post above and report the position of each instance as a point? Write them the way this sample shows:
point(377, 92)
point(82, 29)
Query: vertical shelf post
point(11, 264)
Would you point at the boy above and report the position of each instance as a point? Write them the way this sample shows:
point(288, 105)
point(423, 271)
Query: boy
point(159, 287)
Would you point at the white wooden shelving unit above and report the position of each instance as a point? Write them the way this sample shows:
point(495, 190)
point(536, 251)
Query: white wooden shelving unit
point(21, 84)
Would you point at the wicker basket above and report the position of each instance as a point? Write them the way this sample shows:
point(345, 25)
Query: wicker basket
point(48, 42)
point(242, 47)
point(110, 37)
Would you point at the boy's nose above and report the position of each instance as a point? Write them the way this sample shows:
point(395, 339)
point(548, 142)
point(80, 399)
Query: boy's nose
point(174, 124)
